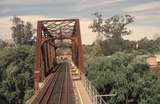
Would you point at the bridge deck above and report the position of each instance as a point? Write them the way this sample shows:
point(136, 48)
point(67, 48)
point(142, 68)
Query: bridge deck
point(57, 88)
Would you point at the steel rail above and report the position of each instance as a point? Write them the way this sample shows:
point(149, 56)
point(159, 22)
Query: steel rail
point(64, 96)
point(41, 93)
point(57, 88)
point(62, 85)
point(47, 96)
point(56, 92)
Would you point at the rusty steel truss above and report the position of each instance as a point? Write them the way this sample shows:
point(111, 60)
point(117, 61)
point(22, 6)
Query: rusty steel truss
point(52, 34)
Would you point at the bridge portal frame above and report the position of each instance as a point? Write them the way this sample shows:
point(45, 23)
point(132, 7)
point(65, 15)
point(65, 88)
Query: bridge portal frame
point(45, 57)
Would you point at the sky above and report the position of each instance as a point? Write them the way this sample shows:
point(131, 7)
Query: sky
point(145, 12)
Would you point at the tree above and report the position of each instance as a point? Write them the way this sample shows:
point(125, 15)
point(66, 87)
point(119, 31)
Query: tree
point(28, 31)
point(110, 32)
point(2, 43)
point(97, 48)
point(16, 74)
point(22, 33)
point(126, 76)
point(113, 27)
point(148, 45)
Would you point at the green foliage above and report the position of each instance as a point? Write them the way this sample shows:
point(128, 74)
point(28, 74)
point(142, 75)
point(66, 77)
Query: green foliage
point(110, 32)
point(16, 78)
point(87, 49)
point(22, 33)
point(149, 46)
point(125, 75)
point(2, 43)
point(16, 65)
point(110, 46)
point(113, 27)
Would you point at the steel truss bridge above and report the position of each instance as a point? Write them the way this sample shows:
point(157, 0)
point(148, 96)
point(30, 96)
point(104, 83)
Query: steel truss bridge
point(53, 81)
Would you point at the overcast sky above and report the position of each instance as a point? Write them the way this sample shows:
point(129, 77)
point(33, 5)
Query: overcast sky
point(146, 13)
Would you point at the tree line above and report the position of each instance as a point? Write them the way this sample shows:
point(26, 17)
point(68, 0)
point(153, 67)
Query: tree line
point(114, 65)
point(16, 64)
point(110, 33)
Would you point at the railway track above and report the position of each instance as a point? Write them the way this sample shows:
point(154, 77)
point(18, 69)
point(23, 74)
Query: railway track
point(57, 88)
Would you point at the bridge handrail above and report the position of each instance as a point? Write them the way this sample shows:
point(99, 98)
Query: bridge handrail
point(91, 90)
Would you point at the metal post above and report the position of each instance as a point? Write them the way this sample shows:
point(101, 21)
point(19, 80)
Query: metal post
point(80, 49)
point(37, 69)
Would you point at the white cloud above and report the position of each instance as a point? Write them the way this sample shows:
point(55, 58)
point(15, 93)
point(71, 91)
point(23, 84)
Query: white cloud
point(87, 35)
point(5, 10)
point(5, 33)
point(149, 16)
point(143, 7)
point(139, 32)
point(85, 4)
point(13, 2)
point(5, 24)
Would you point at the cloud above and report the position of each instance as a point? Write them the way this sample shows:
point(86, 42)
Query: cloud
point(149, 16)
point(5, 24)
point(5, 10)
point(143, 7)
point(87, 35)
point(21, 2)
point(86, 4)
point(139, 32)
